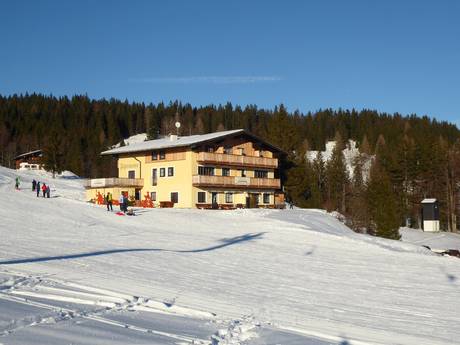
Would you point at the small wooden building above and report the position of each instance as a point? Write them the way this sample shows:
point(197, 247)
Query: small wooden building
point(430, 215)
point(32, 160)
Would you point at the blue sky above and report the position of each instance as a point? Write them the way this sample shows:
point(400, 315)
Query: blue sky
point(393, 56)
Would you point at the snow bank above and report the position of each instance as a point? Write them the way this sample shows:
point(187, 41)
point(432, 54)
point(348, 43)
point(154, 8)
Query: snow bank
point(294, 269)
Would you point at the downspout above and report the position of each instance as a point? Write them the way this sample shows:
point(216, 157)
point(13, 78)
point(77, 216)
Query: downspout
point(140, 167)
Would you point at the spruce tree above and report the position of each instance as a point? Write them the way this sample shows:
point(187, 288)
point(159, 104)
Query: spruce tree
point(381, 200)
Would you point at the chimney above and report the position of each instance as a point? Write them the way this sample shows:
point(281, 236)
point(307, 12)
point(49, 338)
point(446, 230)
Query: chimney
point(173, 137)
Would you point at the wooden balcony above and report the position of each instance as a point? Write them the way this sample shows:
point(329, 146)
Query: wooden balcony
point(113, 182)
point(237, 160)
point(235, 182)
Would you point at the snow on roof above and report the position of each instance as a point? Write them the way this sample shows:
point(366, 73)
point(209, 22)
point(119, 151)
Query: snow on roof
point(167, 142)
point(28, 154)
point(428, 201)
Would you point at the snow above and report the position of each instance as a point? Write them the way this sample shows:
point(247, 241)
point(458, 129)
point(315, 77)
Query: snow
point(436, 240)
point(137, 146)
point(134, 139)
point(71, 272)
point(350, 154)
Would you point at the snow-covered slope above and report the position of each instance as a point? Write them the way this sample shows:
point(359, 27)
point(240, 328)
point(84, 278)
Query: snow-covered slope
point(435, 240)
point(134, 139)
point(350, 153)
point(284, 276)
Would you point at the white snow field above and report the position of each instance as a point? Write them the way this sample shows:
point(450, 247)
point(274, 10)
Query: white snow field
point(435, 240)
point(73, 273)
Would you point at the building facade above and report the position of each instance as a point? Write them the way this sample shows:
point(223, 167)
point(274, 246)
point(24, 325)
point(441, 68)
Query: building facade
point(29, 161)
point(226, 169)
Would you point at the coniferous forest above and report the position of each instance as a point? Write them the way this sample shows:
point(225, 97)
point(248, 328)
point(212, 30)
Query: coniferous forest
point(412, 157)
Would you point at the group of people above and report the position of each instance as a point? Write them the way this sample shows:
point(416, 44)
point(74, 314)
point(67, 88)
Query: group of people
point(123, 202)
point(37, 187)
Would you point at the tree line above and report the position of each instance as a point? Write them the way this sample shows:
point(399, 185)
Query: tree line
point(412, 157)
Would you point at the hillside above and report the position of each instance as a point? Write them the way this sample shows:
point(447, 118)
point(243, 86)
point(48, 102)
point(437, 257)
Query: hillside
point(71, 272)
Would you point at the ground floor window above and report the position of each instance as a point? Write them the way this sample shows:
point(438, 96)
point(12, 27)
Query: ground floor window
point(175, 197)
point(153, 196)
point(201, 197)
point(229, 198)
point(266, 198)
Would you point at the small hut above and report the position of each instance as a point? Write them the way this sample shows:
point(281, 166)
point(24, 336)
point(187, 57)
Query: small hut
point(430, 215)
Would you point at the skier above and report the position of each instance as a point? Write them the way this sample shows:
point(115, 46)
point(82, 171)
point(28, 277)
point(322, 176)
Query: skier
point(120, 201)
point(17, 183)
point(109, 201)
point(37, 188)
point(34, 184)
point(48, 191)
point(44, 190)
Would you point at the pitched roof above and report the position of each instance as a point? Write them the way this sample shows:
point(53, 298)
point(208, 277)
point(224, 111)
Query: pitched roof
point(31, 153)
point(428, 201)
point(190, 140)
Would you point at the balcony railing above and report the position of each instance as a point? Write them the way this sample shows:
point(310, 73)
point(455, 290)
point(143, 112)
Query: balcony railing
point(235, 182)
point(226, 159)
point(113, 182)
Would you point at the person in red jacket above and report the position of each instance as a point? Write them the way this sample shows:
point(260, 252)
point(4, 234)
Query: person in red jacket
point(44, 190)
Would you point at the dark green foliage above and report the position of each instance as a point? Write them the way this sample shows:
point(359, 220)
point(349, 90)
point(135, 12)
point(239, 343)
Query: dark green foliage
point(419, 156)
point(382, 204)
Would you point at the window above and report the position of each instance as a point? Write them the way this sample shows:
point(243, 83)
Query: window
point(154, 177)
point(261, 173)
point(209, 171)
point(210, 149)
point(170, 171)
point(243, 173)
point(201, 197)
point(162, 155)
point(228, 198)
point(137, 194)
point(261, 153)
point(225, 171)
point(131, 174)
point(175, 197)
point(153, 196)
point(154, 155)
point(162, 172)
point(266, 198)
point(228, 150)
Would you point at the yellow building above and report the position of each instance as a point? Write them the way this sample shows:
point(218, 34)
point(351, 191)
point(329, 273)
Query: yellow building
point(217, 170)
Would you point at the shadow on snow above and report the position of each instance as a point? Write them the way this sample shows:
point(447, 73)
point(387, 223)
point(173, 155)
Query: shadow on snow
point(225, 243)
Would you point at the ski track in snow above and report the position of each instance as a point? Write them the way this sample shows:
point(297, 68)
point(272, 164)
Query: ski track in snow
point(246, 271)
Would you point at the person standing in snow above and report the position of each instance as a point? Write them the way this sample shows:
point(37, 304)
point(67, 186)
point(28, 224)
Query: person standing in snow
point(125, 203)
point(17, 182)
point(109, 201)
point(34, 184)
point(37, 188)
point(48, 191)
point(44, 190)
point(120, 202)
